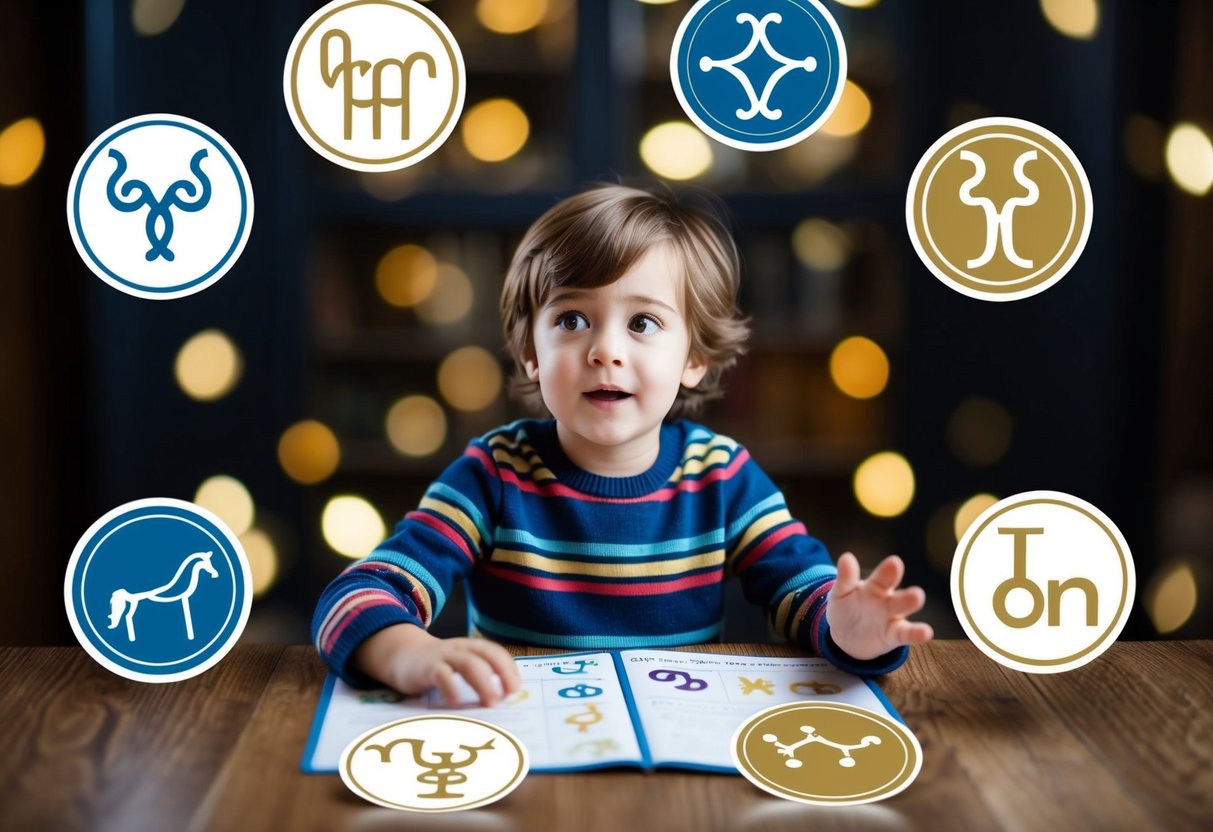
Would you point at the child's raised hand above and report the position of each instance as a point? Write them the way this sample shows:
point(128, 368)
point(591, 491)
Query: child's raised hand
point(868, 618)
point(411, 660)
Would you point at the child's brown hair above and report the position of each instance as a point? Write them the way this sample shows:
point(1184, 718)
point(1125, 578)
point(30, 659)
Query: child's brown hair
point(592, 238)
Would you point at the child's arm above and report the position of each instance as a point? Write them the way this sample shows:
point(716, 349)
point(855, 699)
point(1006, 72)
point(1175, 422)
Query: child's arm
point(407, 658)
point(868, 618)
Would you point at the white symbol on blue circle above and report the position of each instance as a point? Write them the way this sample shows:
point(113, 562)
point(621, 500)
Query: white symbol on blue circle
point(160, 206)
point(158, 590)
point(758, 74)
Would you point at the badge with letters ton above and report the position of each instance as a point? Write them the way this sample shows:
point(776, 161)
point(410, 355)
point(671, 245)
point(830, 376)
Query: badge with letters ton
point(160, 206)
point(440, 763)
point(1043, 582)
point(826, 753)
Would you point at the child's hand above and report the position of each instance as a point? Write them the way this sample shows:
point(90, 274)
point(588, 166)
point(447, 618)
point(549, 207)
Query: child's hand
point(411, 660)
point(868, 618)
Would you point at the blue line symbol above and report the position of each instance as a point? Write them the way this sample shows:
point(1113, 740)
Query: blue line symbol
point(159, 225)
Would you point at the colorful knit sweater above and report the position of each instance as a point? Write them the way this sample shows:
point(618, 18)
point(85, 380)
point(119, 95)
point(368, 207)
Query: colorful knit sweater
point(558, 557)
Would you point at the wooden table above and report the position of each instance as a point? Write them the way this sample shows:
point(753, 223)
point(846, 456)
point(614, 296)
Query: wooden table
point(1123, 743)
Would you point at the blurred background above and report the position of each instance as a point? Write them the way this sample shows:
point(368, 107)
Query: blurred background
point(310, 396)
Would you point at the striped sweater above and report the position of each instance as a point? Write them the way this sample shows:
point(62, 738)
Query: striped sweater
point(558, 557)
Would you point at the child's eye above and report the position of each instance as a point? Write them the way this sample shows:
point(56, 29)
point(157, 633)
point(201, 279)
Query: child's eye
point(644, 324)
point(572, 322)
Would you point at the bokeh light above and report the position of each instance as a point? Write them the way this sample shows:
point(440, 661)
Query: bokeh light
point(511, 17)
point(416, 426)
point(676, 150)
point(351, 526)
point(406, 275)
point(262, 559)
point(1190, 158)
point(884, 484)
point(859, 367)
point(852, 114)
point(22, 145)
point(308, 452)
point(969, 511)
point(208, 366)
point(495, 130)
point(820, 244)
point(857, 4)
point(979, 431)
point(469, 378)
point(1172, 597)
point(1074, 18)
point(451, 299)
point(228, 499)
point(154, 17)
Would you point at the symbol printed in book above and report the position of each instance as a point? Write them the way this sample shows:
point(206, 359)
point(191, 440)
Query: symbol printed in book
point(580, 692)
point(158, 590)
point(374, 85)
point(434, 764)
point(749, 686)
point(593, 748)
point(584, 719)
point(814, 688)
point(999, 209)
point(1043, 582)
point(758, 74)
point(160, 206)
point(685, 680)
point(826, 753)
point(579, 667)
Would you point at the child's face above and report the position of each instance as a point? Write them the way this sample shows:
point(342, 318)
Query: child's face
point(609, 361)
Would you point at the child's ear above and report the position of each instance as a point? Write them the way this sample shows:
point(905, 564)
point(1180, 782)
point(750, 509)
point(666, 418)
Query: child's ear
point(694, 372)
point(531, 365)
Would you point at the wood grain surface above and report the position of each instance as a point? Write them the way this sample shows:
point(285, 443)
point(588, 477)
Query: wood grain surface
point(1123, 743)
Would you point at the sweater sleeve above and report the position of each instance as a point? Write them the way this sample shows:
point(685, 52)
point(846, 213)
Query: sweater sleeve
point(786, 571)
point(408, 577)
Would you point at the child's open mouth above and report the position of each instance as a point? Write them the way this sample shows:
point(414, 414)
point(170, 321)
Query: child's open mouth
point(607, 396)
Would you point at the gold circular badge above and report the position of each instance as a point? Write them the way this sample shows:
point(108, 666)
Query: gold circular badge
point(999, 209)
point(826, 753)
point(434, 764)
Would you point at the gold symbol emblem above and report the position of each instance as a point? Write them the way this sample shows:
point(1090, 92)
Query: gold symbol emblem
point(374, 85)
point(999, 209)
point(827, 753)
point(449, 763)
point(749, 686)
point(1042, 582)
point(585, 718)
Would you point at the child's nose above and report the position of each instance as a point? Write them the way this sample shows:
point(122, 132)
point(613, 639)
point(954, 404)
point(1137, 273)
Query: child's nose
point(605, 351)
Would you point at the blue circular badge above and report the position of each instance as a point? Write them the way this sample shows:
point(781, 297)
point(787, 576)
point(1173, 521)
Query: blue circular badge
point(758, 74)
point(158, 590)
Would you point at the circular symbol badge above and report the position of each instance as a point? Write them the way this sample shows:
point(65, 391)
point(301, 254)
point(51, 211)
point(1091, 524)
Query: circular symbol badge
point(758, 74)
point(158, 590)
point(374, 85)
point(434, 764)
point(1043, 582)
point(826, 753)
point(999, 209)
point(160, 206)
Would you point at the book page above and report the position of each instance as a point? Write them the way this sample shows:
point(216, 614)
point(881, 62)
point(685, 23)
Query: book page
point(689, 704)
point(570, 714)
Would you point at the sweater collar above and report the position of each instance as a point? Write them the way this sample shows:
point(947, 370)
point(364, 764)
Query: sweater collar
point(547, 444)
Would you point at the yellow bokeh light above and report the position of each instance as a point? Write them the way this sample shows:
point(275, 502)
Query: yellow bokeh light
point(451, 299)
point(857, 4)
point(676, 150)
point(262, 559)
point(495, 130)
point(510, 17)
point(979, 431)
point(1172, 597)
point(416, 426)
point(227, 498)
point(1074, 18)
point(969, 511)
point(469, 378)
point(884, 484)
point(308, 452)
point(656, 2)
point(1190, 158)
point(859, 367)
point(406, 275)
point(22, 145)
point(208, 366)
point(852, 114)
point(821, 245)
point(154, 17)
point(352, 526)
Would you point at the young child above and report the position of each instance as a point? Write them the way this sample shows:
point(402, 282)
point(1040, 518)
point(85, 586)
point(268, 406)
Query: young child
point(613, 524)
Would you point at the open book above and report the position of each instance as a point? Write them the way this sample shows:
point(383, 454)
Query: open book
point(579, 711)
